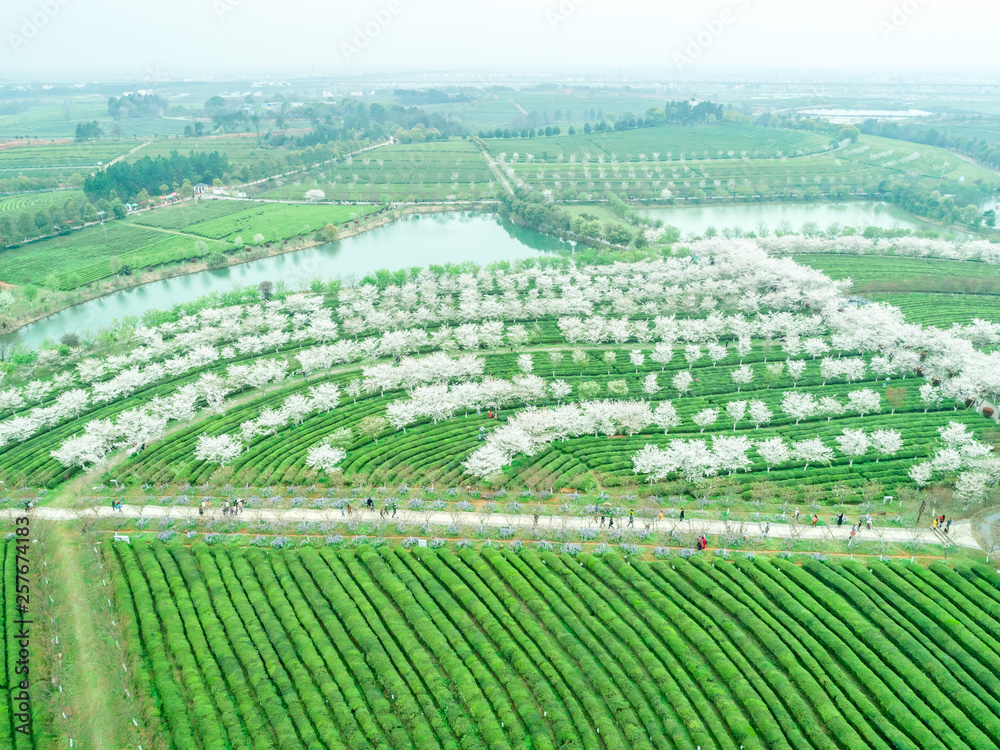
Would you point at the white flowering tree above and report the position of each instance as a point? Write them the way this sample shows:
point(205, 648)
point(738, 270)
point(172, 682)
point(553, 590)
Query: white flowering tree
point(637, 358)
point(665, 416)
point(853, 443)
point(736, 411)
point(760, 414)
point(742, 376)
point(774, 451)
point(682, 381)
point(799, 406)
point(705, 418)
point(220, 449)
point(812, 451)
point(324, 457)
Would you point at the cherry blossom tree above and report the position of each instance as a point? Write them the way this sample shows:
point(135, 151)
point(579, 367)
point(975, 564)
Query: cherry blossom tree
point(525, 364)
point(650, 386)
point(372, 426)
point(812, 451)
point(736, 410)
point(730, 452)
point(742, 376)
point(853, 443)
point(864, 401)
point(920, 474)
point(324, 457)
point(717, 353)
point(220, 449)
point(795, 369)
point(663, 352)
point(760, 414)
point(705, 418)
point(773, 451)
point(831, 407)
point(665, 416)
point(682, 381)
point(554, 359)
point(610, 357)
point(559, 389)
point(929, 395)
point(637, 358)
point(692, 353)
point(799, 406)
point(887, 442)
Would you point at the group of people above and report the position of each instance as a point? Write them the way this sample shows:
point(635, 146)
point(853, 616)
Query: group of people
point(702, 543)
point(939, 524)
point(229, 510)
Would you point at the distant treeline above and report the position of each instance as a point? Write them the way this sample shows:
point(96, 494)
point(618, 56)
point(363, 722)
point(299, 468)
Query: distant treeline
point(681, 113)
point(415, 97)
point(977, 148)
point(137, 105)
point(128, 180)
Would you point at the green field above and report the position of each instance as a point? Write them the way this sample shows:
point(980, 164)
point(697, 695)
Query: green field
point(454, 170)
point(84, 256)
point(38, 201)
point(722, 163)
point(431, 648)
point(671, 143)
point(60, 159)
point(929, 291)
point(276, 221)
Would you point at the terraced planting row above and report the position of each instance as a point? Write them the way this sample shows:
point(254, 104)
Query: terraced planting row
point(37, 201)
point(429, 648)
point(693, 142)
point(276, 221)
point(437, 450)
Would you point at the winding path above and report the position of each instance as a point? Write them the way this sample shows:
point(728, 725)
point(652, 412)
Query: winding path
point(960, 535)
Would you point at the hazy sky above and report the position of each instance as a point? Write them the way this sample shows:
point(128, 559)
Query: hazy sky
point(135, 39)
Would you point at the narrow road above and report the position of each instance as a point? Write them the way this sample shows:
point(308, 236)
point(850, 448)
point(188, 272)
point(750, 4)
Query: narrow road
point(127, 153)
point(961, 532)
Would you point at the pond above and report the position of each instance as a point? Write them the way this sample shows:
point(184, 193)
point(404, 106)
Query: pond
point(417, 240)
point(692, 220)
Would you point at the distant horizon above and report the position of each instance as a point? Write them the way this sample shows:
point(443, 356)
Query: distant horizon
point(457, 77)
point(45, 40)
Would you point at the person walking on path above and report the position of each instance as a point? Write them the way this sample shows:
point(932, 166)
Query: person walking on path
point(682, 514)
point(631, 517)
point(947, 526)
point(767, 529)
point(661, 515)
point(611, 522)
point(840, 519)
point(393, 508)
point(853, 531)
point(796, 515)
point(934, 524)
point(602, 519)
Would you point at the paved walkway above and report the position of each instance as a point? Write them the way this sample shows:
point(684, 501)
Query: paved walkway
point(961, 532)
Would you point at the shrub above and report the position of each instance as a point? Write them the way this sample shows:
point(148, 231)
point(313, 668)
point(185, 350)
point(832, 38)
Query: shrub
point(544, 546)
point(335, 540)
point(570, 548)
point(410, 542)
point(259, 541)
point(280, 542)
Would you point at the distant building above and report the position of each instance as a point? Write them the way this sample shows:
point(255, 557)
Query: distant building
point(200, 188)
